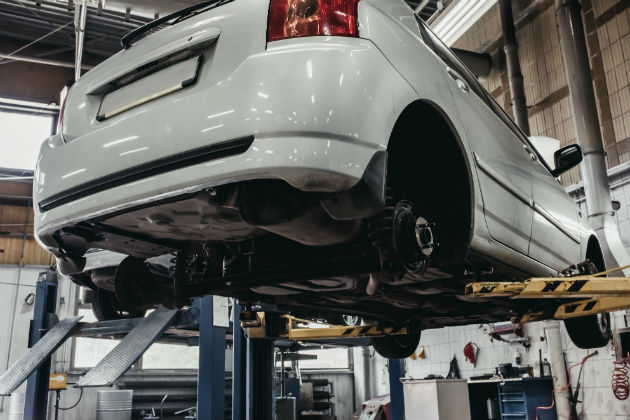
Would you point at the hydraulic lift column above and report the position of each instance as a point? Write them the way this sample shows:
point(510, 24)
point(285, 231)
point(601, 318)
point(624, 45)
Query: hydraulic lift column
point(260, 378)
point(397, 401)
point(239, 367)
point(36, 399)
point(211, 382)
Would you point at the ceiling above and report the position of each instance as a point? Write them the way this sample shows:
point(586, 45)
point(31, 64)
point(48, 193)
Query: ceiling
point(24, 21)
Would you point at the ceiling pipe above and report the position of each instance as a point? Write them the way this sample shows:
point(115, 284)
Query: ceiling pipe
point(586, 122)
point(45, 61)
point(515, 77)
point(421, 6)
point(79, 27)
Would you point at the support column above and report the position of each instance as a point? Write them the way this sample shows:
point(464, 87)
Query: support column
point(586, 122)
point(36, 399)
point(396, 369)
point(239, 367)
point(260, 379)
point(211, 379)
point(558, 369)
point(510, 47)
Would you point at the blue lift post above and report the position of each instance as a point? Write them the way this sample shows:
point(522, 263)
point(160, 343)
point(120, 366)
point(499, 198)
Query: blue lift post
point(397, 401)
point(211, 380)
point(239, 366)
point(260, 378)
point(44, 318)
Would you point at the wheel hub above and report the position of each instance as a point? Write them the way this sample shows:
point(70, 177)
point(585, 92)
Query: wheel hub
point(412, 237)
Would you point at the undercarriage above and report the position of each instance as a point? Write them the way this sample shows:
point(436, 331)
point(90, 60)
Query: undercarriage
point(389, 272)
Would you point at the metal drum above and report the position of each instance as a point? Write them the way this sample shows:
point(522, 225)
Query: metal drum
point(16, 406)
point(114, 405)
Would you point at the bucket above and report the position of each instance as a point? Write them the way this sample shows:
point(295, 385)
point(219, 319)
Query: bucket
point(114, 405)
point(16, 406)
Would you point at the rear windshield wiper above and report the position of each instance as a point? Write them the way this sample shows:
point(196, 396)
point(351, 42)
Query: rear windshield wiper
point(127, 40)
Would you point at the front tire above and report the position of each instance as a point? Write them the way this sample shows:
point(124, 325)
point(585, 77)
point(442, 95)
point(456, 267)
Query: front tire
point(593, 331)
point(107, 307)
point(396, 346)
point(589, 332)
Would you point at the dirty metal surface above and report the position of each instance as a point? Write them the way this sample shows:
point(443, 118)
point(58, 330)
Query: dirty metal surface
point(37, 354)
point(130, 348)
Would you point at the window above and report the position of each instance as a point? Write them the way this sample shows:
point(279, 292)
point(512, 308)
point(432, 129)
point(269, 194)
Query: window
point(21, 135)
point(170, 356)
point(332, 358)
point(89, 351)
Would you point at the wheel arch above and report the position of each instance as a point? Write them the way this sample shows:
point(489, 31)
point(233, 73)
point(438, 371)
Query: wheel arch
point(594, 253)
point(438, 156)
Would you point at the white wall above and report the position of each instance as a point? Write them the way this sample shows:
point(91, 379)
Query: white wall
point(442, 344)
point(15, 286)
point(15, 313)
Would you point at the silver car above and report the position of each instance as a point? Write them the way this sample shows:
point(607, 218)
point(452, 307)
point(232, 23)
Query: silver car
point(324, 156)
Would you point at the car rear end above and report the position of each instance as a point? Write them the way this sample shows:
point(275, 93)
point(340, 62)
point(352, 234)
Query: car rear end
point(249, 89)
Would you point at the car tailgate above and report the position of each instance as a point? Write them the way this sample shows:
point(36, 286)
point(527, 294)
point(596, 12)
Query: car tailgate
point(217, 40)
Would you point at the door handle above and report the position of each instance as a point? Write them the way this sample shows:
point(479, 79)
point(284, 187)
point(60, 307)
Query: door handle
point(461, 84)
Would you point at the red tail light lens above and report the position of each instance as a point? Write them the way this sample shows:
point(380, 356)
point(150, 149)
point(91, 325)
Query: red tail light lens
point(297, 18)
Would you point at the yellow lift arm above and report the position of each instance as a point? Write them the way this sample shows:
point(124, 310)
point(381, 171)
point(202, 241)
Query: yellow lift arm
point(298, 329)
point(603, 294)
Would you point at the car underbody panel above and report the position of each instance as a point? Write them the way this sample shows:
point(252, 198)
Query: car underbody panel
point(265, 241)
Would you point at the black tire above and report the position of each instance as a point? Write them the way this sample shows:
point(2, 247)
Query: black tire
point(396, 346)
point(593, 331)
point(589, 332)
point(106, 307)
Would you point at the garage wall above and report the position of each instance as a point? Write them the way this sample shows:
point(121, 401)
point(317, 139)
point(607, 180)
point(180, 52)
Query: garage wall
point(619, 178)
point(442, 344)
point(343, 390)
point(607, 25)
point(15, 286)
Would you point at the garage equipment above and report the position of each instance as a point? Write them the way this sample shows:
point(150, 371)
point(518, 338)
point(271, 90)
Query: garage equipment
point(47, 333)
point(587, 294)
point(265, 324)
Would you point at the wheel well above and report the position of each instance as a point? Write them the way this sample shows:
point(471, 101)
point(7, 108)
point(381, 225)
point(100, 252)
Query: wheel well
point(427, 165)
point(594, 253)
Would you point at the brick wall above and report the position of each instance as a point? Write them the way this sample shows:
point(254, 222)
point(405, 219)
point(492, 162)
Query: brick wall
point(607, 25)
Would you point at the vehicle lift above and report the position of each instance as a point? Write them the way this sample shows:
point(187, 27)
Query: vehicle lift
point(587, 294)
point(253, 366)
point(253, 363)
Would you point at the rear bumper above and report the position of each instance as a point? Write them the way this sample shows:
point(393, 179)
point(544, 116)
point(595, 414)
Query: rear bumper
point(315, 110)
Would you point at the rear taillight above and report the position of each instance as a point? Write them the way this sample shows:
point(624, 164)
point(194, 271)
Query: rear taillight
point(296, 18)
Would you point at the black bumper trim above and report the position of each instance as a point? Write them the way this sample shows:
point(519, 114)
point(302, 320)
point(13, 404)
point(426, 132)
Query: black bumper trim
point(156, 167)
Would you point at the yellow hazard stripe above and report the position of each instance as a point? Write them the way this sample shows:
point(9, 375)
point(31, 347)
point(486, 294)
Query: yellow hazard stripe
point(591, 307)
point(337, 332)
point(554, 287)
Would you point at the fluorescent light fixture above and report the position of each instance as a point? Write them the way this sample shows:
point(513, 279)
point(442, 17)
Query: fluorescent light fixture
point(458, 17)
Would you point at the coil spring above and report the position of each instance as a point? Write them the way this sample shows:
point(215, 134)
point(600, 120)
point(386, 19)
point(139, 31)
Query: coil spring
point(620, 384)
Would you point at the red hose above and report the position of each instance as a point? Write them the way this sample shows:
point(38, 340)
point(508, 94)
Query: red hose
point(553, 391)
point(620, 385)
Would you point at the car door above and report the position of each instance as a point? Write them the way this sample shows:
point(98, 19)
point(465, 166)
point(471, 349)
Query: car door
point(503, 164)
point(555, 237)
